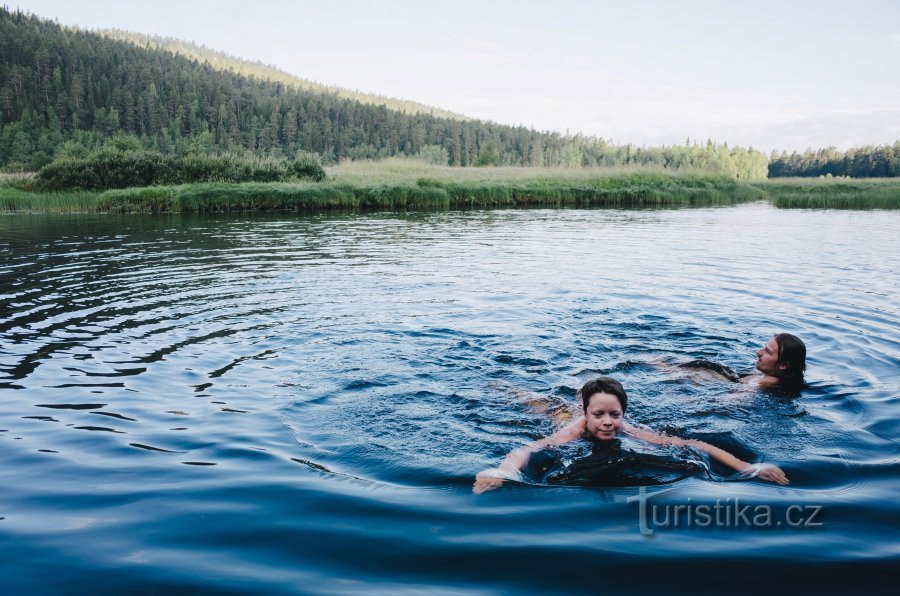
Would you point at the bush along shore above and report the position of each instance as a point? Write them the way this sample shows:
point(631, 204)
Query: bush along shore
point(630, 190)
point(106, 169)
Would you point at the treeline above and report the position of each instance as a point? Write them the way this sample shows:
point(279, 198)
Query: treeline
point(63, 85)
point(871, 161)
point(736, 162)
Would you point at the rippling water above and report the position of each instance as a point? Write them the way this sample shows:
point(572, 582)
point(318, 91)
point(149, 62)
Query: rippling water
point(288, 403)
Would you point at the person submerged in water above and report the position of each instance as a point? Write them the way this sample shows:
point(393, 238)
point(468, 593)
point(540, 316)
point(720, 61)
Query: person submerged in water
point(780, 363)
point(604, 402)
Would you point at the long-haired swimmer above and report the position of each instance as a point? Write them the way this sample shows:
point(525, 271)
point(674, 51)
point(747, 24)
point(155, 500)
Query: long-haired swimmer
point(604, 402)
point(780, 364)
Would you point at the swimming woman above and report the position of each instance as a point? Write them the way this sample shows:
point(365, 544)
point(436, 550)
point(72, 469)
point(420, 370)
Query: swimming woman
point(780, 363)
point(604, 402)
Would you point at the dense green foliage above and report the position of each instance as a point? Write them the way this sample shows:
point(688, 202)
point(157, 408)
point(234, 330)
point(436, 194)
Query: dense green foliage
point(110, 168)
point(64, 85)
point(434, 155)
point(629, 190)
point(858, 162)
point(833, 194)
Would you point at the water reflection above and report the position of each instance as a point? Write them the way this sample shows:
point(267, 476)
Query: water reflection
point(275, 390)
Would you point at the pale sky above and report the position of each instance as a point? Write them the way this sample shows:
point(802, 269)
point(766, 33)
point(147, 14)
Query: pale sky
point(771, 74)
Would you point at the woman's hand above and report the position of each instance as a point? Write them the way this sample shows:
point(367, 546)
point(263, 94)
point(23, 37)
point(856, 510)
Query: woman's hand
point(493, 477)
point(484, 482)
point(767, 472)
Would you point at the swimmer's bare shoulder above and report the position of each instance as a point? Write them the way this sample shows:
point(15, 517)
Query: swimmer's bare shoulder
point(570, 432)
point(759, 381)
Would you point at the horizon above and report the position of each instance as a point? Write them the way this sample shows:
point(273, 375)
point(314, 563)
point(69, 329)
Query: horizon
point(695, 71)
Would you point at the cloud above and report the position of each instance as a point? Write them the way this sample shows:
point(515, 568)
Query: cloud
point(842, 130)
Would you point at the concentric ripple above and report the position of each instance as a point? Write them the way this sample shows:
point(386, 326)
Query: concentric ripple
point(247, 398)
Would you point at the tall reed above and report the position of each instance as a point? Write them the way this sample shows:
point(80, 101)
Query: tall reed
point(14, 199)
point(617, 191)
point(841, 193)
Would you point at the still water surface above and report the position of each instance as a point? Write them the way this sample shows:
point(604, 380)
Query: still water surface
point(301, 403)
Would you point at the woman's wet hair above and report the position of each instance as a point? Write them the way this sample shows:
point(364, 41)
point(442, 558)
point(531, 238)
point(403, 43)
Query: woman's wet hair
point(791, 353)
point(603, 385)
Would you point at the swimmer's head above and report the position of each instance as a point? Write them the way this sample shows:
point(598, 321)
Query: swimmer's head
point(604, 401)
point(783, 357)
point(791, 358)
point(603, 385)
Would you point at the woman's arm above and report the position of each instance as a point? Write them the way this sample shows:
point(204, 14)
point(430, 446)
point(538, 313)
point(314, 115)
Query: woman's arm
point(516, 460)
point(765, 471)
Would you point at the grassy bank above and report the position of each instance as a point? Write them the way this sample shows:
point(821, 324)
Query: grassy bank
point(624, 190)
point(396, 171)
point(832, 193)
point(14, 199)
point(410, 184)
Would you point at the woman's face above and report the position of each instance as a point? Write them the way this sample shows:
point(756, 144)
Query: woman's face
point(604, 416)
point(767, 358)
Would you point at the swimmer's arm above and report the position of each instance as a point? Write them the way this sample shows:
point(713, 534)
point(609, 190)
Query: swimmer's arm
point(765, 471)
point(769, 472)
point(663, 363)
point(516, 460)
point(696, 371)
point(651, 436)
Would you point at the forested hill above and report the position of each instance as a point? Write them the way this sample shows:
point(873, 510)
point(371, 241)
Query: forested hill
point(63, 85)
point(226, 62)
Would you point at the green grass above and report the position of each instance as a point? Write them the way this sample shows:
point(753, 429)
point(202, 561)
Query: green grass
point(14, 199)
point(832, 193)
point(410, 184)
point(628, 190)
point(398, 170)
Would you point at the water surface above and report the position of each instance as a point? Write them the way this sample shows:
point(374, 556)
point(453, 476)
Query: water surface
point(301, 403)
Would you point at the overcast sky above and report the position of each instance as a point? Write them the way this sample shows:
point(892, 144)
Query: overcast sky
point(771, 74)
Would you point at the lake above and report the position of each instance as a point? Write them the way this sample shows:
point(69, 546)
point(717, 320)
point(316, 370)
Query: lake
point(300, 403)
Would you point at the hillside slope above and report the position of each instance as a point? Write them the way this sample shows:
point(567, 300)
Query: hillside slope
point(226, 62)
point(63, 86)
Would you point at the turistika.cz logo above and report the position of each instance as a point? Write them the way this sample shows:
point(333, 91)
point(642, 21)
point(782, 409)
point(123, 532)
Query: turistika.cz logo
point(727, 513)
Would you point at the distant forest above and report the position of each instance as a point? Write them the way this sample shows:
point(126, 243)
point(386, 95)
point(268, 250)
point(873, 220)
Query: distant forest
point(64, 87)
point(859, 162)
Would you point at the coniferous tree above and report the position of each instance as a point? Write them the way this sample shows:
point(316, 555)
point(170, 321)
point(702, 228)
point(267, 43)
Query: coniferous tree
point(60, 86)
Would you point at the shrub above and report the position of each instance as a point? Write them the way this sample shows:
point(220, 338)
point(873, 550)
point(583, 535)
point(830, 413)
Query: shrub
point(110, 168)
point(434, 155)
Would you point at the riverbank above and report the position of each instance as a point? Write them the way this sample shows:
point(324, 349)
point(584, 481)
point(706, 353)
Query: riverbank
point(410, 184)
point(404, 189)
point(832, 193)
point(629, 190)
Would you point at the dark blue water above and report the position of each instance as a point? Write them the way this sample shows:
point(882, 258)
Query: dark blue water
point(300, 404)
